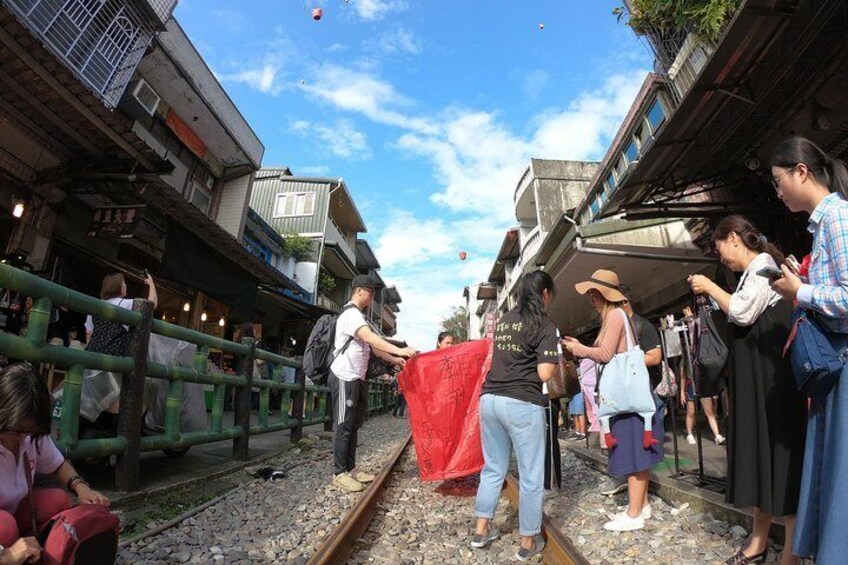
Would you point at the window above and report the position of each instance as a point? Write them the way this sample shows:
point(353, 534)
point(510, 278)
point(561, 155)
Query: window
point(656, 115)
point(632, 152)
point(295, 204)
point(595, 208)
point(611, 182)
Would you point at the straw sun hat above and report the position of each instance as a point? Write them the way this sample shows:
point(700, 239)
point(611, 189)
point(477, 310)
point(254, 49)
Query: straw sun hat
point(605, 282)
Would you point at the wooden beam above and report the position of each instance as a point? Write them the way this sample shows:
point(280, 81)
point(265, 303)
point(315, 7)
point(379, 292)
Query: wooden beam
point(22, 121)
point(72, 99)
point(48, 114)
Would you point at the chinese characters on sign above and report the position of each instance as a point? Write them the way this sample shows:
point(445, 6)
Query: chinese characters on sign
point(115, 221)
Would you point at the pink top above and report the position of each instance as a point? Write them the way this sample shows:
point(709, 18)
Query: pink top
point(46, 459)
point(613, 340)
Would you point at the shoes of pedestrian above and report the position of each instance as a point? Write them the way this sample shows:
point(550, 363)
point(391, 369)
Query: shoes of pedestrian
point(528, 554)
point(720, 439)
point(613, 486)
point(579, 436)
point(741, 559)
point(479, 541)
point(691, 439)
point(347, 483)
point(647, 512)
point(362, 476)
point(624, 523)
point(551, 492)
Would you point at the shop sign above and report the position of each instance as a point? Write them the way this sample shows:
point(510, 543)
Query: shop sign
point(116, 222)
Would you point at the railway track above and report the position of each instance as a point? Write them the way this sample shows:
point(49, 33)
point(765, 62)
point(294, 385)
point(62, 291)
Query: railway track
point(339, 546)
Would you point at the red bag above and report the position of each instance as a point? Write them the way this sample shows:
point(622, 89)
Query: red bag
point(86, 535)
point(442, 389)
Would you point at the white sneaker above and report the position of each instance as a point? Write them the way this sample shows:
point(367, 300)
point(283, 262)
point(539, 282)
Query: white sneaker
point(719, 439)
point(691, 439)
point(647, 512)
point(624, 523)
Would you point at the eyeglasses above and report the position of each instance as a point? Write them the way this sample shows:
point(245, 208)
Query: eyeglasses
point(775, 182)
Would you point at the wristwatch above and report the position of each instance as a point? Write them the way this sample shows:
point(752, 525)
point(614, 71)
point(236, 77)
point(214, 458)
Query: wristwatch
point(2, 550)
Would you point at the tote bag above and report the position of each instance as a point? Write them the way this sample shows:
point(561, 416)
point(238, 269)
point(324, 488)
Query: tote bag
point(625, 387)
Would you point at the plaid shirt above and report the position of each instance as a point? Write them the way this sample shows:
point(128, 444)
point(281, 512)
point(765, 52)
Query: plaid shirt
point(827, 291)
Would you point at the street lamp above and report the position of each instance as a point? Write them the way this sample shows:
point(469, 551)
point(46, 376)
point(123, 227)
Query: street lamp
point(203, 317)
point(222, 322)
point(186, 306)
point(18, 209)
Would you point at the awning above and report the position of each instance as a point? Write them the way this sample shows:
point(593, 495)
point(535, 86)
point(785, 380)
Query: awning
point(778, 67)
point(155, 192)
point(193, 262)
point(656, 273)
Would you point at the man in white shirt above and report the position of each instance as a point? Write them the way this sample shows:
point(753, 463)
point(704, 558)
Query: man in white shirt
point(353, 346)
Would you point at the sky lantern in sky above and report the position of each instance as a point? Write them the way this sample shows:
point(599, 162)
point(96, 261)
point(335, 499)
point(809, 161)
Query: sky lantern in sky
point(541, 25)
point(317, 14)
point(463, 255)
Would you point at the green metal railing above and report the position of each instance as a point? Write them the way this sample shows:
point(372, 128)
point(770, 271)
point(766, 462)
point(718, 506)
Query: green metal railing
point(300, 405)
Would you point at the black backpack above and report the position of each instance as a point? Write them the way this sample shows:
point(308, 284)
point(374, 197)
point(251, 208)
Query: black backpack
point(318, 355)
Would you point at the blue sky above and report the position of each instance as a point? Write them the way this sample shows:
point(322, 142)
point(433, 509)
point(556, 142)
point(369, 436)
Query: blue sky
point(430, 111)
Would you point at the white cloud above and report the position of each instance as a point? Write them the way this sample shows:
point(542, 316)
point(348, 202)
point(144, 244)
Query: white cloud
point(341, 138)
point(407, 239)
point(371, 10)
point(263, 78)
point(478, 161)
point(358, 91)
point(398, 40)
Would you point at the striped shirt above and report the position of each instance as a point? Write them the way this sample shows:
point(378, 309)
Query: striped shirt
point(827, 291)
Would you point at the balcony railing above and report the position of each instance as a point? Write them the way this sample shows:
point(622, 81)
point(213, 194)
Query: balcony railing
point(531, 245)
point(329, 304)
point(100, 41)
point(334, 235)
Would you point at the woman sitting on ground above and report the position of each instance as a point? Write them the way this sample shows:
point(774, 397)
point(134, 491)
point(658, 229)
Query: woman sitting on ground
point(26, 447)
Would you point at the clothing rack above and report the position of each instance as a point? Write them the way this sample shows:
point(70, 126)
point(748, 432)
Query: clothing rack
point(687, 349)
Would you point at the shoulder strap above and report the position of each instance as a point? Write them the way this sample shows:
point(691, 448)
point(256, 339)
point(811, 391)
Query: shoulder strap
point(28, 471)
point(349, 339)
point(628, 327)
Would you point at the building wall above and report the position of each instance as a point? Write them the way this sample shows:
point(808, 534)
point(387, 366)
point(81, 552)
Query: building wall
point(264, 197)
point(232, 210)
point(555, 197)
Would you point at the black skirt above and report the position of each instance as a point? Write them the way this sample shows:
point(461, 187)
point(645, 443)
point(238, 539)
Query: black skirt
point(767, 417)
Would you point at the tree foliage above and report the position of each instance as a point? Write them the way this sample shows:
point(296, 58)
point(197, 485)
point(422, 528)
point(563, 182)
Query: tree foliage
point(706, 18)
point(457, 323)
point(297, 246)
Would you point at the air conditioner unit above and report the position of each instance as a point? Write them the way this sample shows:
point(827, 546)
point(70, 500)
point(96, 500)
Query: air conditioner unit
point(146, 96)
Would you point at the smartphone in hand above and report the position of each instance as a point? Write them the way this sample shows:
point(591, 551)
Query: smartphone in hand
point(770, 273)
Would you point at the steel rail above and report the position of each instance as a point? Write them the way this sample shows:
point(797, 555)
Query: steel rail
point(558, 547)
point(339, 545)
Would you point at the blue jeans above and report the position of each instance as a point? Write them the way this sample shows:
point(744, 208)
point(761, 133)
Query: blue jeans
point(507, 424)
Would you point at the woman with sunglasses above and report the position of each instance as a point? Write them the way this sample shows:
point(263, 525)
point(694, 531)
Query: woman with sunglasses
point(26, 448)
point(808, 180)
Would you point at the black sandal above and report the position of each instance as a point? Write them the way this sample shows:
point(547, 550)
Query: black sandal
point(741, 559)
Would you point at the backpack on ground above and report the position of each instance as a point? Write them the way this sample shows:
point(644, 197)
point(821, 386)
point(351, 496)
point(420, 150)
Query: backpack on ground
point(319, 354)
point(84, 535)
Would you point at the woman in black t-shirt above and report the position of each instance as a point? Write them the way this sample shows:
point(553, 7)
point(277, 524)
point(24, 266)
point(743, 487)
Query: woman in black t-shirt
point(512, 413)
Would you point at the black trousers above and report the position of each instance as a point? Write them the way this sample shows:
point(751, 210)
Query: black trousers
point(553, 457)
point(400, 407)
point(350, 409)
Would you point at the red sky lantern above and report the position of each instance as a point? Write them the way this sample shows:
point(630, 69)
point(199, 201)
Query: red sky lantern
point(317, 14)
point(462, 255)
